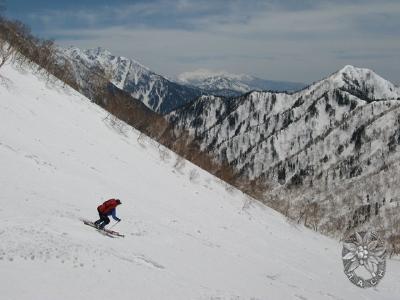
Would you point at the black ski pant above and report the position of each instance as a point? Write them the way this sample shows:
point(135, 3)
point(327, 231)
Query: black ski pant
point(103, 221)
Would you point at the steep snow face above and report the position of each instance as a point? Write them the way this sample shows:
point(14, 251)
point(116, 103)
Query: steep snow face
point(101, 58)
point(155, 91)
point(226, 84)
point(336, 139)
point(188, 236)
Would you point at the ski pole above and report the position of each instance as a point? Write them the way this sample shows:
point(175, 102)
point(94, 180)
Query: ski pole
point(114, 225)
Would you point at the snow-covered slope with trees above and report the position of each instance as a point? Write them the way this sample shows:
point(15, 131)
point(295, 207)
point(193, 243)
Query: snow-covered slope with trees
point(188, 236)
point(226, 84)
point(334, 142)
point(155, 91)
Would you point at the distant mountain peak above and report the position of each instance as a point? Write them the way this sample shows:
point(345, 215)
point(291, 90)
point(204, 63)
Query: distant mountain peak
point(203, 74)
point(98, 51)
point(155, 91)
point(358, 73)
point(365, 80)
point(351, 68)
point(227, 84)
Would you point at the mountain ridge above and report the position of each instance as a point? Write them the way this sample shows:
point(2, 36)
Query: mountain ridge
point(324, 135)
point(226, 84)
point(155, 91)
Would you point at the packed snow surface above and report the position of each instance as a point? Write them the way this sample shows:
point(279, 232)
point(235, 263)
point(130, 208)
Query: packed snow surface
point(188, 236)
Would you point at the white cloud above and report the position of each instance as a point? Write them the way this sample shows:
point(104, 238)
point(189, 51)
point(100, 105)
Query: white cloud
point(297, 45)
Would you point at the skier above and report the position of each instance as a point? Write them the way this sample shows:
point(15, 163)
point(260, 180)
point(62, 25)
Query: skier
point(106, 209)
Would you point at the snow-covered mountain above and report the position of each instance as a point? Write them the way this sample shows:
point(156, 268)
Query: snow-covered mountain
point(334, 142)
point(226, 84)
point(155, 91)
point(188, 235)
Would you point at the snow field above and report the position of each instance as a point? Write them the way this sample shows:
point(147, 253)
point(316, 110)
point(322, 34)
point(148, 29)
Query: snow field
point(188, 236)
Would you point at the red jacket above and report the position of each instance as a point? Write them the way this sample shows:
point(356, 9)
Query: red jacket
point(107, 206)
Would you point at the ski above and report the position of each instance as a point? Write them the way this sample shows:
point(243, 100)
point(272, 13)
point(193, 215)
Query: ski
point(110, 233)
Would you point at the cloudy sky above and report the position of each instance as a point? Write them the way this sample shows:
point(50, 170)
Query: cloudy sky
point(296, 40)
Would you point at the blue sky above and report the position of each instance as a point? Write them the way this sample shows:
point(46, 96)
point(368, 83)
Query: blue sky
point(273, 39)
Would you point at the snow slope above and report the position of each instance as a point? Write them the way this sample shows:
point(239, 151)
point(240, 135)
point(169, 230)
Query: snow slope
point(188, 236)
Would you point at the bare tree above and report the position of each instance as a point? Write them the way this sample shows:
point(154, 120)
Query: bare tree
point(179, 163)
point(394, 244)
point(164, 153)
point(6, 52)
point(194, 175)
